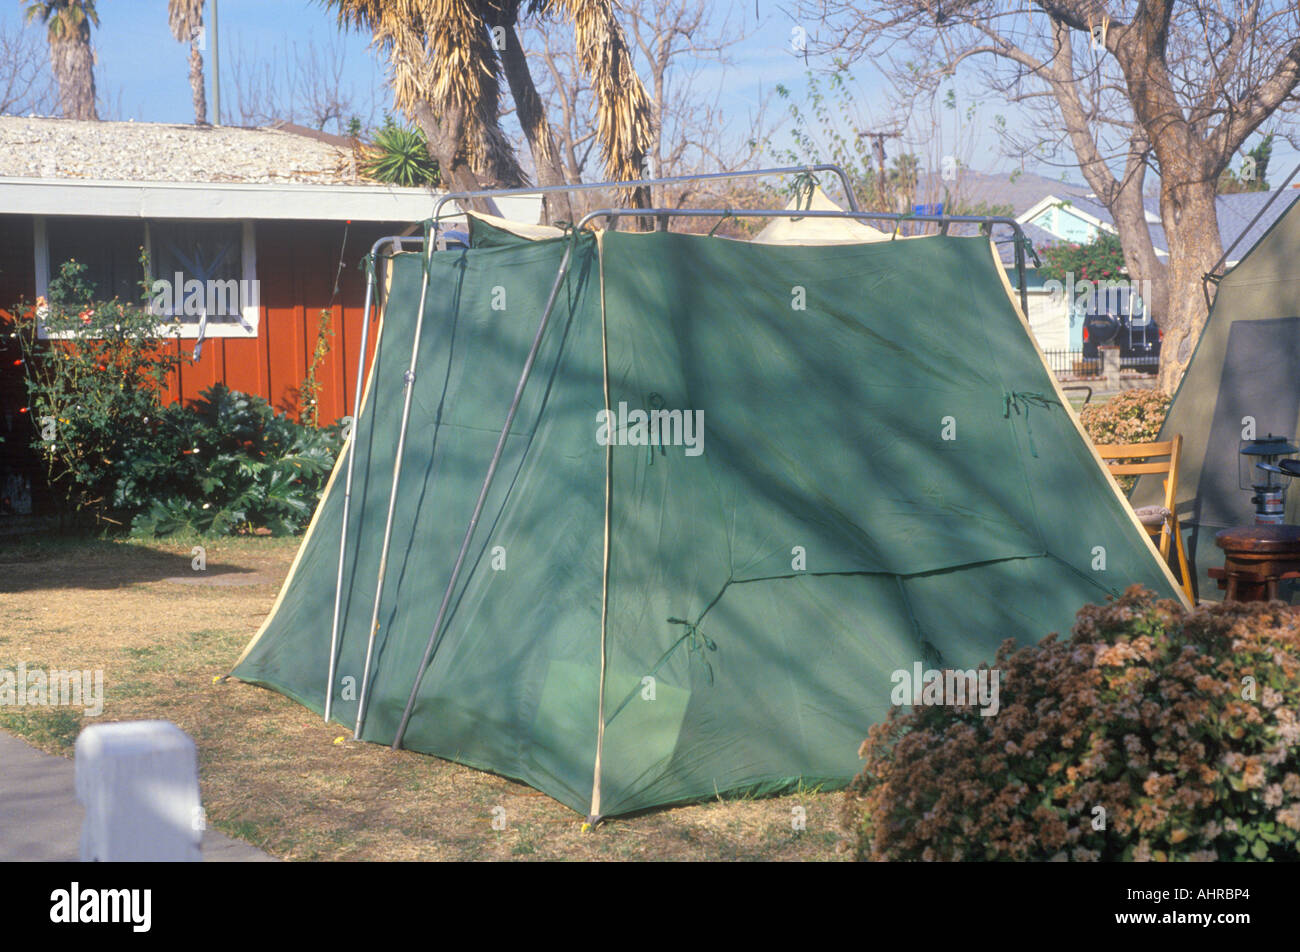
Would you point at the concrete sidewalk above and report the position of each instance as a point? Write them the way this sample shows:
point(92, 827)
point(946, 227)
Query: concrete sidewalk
point(40, 818)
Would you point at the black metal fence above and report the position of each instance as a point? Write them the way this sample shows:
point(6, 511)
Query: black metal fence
point(1146, 365)
point(1069, 364)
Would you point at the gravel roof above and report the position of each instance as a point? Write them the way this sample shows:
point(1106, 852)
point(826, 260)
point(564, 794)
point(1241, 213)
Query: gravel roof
point(161, 152)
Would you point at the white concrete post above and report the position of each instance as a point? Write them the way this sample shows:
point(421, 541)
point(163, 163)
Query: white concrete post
point(139, 782)
point(1109, 355)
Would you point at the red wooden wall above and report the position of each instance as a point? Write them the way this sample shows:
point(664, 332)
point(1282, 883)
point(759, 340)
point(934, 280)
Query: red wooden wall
point(296, 265)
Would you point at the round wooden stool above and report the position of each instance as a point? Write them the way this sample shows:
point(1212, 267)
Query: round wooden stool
point(1255, 559)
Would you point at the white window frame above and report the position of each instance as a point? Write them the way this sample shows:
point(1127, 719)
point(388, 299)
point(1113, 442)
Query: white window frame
point(251, 312)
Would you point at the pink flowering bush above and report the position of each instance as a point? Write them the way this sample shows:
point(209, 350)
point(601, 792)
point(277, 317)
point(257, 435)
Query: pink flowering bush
point(1132, 416)
point(1152, 733)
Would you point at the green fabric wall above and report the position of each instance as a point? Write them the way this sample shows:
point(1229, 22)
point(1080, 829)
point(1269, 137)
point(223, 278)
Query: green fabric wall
point(824, 430)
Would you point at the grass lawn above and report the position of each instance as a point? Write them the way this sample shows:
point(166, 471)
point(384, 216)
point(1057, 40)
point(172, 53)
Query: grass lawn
point(272, 772)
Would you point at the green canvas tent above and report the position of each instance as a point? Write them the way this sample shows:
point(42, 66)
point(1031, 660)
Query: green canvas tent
point(884, 476)
point(1244, 377)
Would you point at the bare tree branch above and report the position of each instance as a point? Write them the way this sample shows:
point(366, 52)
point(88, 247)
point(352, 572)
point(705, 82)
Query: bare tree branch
point(26, 86)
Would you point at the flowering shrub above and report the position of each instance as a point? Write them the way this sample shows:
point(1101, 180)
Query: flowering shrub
point(93, 383)
point(1099, 260)
point(1132, 416)
point(1153, 733)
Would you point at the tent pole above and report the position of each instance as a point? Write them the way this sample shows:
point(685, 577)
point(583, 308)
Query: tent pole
point(1020, 274)
point(347, 489)
point(1214, 271)
point(409, 380)
point(647, 183)
point(483, 492)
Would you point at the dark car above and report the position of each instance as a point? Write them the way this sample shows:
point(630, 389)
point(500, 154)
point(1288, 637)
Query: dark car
point(1118, 317)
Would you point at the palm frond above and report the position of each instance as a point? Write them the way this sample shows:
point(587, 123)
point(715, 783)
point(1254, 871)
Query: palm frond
point(184, 17)
point(625, 117)
point(442, 56)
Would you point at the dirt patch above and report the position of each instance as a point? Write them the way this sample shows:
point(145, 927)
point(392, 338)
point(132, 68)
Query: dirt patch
point(272, 772)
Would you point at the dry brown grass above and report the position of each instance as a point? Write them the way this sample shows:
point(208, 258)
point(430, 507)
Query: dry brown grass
point(272, 773)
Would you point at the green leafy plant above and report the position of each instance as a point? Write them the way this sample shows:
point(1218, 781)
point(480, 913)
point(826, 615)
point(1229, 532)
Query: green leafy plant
point(1254, 170)
point(94, 381)
point(399, 155)
point(228, 464)
point(817, 139)
point(981, 209)
point(1152, 733)
point(1101, 259)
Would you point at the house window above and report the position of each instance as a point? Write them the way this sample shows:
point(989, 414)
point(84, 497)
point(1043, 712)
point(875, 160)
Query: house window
point(108, 247)
point(203, 274)
point(198, 269)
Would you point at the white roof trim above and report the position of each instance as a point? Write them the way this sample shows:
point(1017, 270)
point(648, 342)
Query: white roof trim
point(229, 200)
point(1049, 201)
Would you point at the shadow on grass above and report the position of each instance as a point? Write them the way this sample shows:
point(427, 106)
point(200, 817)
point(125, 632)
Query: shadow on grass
point(83, 561)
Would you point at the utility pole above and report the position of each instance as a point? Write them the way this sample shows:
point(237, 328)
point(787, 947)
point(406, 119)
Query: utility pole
point(877, 145)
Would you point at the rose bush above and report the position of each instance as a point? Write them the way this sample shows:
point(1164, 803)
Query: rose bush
point(95, 373)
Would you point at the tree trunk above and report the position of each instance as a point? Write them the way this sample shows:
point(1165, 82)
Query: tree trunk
point(1144, 266)
point(1188, 175)
point(74, 69)
point(453, 165)
point(196, 85)
point(1191, 223)
point(493, 155)
point(1121, 196)
point(537, 130)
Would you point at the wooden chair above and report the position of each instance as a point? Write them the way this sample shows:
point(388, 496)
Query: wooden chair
point(1161, 522)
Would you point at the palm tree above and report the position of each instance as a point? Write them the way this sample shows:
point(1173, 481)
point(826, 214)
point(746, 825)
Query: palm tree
point(186, 20)
point(70, 54)
point(447, 77)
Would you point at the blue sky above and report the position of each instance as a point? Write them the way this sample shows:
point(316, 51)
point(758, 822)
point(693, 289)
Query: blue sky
point(142, 71)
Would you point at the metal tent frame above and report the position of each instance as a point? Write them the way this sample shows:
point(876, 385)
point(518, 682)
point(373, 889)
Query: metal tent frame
point(986, 224)
point(1213, 276)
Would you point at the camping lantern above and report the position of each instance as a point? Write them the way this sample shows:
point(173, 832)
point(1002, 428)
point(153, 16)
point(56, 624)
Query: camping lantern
point(1270, 496)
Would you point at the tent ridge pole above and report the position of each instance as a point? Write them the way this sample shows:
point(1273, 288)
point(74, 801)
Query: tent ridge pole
point(649, 183)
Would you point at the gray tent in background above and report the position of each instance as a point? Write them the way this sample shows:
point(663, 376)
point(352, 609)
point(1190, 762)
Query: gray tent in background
point(1246, 365)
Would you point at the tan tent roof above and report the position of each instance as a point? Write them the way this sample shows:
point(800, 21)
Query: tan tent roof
point(817, 231)
point(795, 230)
point(522, 229)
